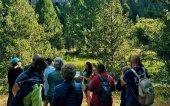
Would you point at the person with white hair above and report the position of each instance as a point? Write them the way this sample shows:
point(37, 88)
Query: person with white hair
point(54, 78)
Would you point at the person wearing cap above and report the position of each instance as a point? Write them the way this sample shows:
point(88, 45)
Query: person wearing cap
point(55, 78)
point(27, 89)
point(34, 58)
point(13, 73)
point(68, 93)
point(50, 68)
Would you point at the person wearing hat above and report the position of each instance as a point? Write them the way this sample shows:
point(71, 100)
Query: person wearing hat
point(54, 78)
point(27, 89)
point(13, 73)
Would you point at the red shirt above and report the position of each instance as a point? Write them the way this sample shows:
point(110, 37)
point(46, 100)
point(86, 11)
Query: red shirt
point(95, 88)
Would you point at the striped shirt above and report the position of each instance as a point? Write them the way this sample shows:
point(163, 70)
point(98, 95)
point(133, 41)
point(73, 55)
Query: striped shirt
point(68, 94)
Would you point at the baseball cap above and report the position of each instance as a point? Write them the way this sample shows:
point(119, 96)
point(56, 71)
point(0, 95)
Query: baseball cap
point(15, 60)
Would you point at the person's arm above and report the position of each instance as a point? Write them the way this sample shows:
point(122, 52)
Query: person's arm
point(123, 83)
point(125, 78)
point(46, 85)
point(88, 79)
point(36, 97)
point(112, 83)
point(92, 85)
point(15, 89)
point(9, 79)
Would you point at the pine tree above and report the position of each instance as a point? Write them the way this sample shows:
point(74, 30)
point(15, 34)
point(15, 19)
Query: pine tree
point(21, 35)
point(50, 21)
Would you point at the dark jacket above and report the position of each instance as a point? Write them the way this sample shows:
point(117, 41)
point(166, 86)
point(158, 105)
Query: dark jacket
point(26, 81)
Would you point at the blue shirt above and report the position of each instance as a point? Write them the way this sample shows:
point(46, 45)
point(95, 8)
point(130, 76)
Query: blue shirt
point(47, 71)
point(74, 98)
point(54, 79)
point(132, 88)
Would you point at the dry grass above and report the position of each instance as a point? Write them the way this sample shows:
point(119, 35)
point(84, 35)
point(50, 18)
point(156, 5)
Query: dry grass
point(3, 100)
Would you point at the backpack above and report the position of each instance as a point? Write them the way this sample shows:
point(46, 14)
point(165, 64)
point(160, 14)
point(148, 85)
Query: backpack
point(105, 93)
point(145, 89)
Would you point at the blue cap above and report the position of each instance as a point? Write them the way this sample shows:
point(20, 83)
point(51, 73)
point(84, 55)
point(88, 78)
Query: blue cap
point(15, 60)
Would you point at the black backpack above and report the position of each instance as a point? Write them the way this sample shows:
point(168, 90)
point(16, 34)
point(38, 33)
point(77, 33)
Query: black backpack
point(105, 93)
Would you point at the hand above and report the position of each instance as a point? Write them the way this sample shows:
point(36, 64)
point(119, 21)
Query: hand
point(81, 77)
point(15, 89)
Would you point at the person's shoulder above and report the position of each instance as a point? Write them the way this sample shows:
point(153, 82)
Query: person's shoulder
point(128, 71)
point(52, 73)
point(51, 67)
point(49, 70)
point(19, 78)
point(27, 67)
point(10, 70)
point(19, 69)
point(110, 76)
point(95, 77)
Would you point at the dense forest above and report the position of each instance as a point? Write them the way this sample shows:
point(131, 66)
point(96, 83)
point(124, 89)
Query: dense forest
point(105, 30)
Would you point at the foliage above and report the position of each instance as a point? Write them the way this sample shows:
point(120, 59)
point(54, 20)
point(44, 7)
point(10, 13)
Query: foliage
point(20, 33)
point(142, 8)
point(50, 22)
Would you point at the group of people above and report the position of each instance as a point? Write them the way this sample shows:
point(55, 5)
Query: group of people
point(52, 82)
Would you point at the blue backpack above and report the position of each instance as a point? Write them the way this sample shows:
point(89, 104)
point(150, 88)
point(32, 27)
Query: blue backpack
point(105, 93)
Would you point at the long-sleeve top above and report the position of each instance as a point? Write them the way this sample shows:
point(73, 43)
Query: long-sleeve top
point(13, 73)
point(54, 79)
point(30, 89)
point(47, 71)
point(95, 88)
point(68, 94)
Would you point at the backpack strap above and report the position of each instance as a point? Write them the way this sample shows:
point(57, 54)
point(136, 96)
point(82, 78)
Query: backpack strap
point(138, 76)
point(144, 71)
point(101, 79)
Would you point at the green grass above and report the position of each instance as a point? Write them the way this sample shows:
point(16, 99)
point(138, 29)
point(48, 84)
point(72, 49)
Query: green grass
point(80, 62)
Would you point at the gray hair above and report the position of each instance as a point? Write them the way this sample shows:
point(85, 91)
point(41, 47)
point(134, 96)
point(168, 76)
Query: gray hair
point(68, 72)
point(58, 63)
